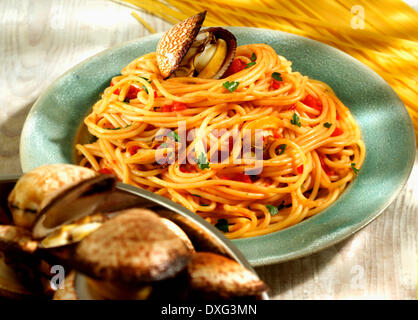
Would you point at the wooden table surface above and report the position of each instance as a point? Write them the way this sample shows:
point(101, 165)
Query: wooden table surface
point(39, 40)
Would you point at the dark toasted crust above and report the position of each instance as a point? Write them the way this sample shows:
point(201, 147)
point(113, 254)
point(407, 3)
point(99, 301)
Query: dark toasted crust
point(134, 246)
point(175, 43)
point(219, 276)
point(16, 239)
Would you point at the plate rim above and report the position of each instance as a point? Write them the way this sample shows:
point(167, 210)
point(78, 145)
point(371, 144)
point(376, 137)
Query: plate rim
point(308, 249)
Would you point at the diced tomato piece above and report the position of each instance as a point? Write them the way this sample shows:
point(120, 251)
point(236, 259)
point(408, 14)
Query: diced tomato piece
point(230, 143)
point(337, 117)
point(276, 134)
point(312, 102)
point(324, 166)
point(106, 170)
point(275, 84)
point(236, 66)
point(155, 94)
point(300, 169)
point(241, 177)
point(244, 178)
point(167, 108)
point(133, 149)
point(132, 92)
point(337, 132)
point(292, 107)
point(117, 91)
point(184, 169)
point(178, 106)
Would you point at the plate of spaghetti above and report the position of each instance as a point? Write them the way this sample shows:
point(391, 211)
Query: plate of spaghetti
point(288, 148)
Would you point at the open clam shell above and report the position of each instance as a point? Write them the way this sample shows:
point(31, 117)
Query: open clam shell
point(219, 68)
point(183, 51)
point(71, 204)
point(175, 43)
point(34, 187)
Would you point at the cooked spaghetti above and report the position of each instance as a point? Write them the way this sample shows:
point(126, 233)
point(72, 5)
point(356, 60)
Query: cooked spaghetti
point(311, 145)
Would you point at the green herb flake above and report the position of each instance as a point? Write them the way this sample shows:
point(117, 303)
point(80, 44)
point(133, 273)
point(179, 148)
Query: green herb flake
point(277, 76)
point(231, 86)
point(222, 225)
point(295, 120)
point(282, 148)
point(253, 58)
point(196, 195)
point(327, 125)
point(355, 170)
point(118, 128)
point(144, 87)
point(202, 162)
point(175, 136)
point(250, 64)
point(272, 209)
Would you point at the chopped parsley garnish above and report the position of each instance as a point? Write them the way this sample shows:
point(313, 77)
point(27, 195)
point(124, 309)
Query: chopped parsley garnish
point(118, 128)
point(282, 148)
point(275, 210)
point(253, 58)
point(196, 195)
point(231, 86)
point(272, 209)
point(174, 135)
point(204, 204)
point(144, 87)
point(277, 76)
point(327, 125)
point(353, 166)
point(222, 225)
point(295, 120)
point(202, 162)
point(250, 64)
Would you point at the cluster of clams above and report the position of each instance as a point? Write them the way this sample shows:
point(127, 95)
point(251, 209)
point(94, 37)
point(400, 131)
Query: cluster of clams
point(109, 247)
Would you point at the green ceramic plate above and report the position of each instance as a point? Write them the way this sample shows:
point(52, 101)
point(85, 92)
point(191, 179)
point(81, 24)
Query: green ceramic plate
point(50, 129)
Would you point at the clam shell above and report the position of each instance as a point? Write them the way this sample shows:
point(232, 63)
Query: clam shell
point(134, 246)
point(72, 203)
point(68, 292)
point(10, 286)
point(178, 232)
point(16, 239)
point(231, 42)
point(175, 43)
point(35, 186)
point(218, 276)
